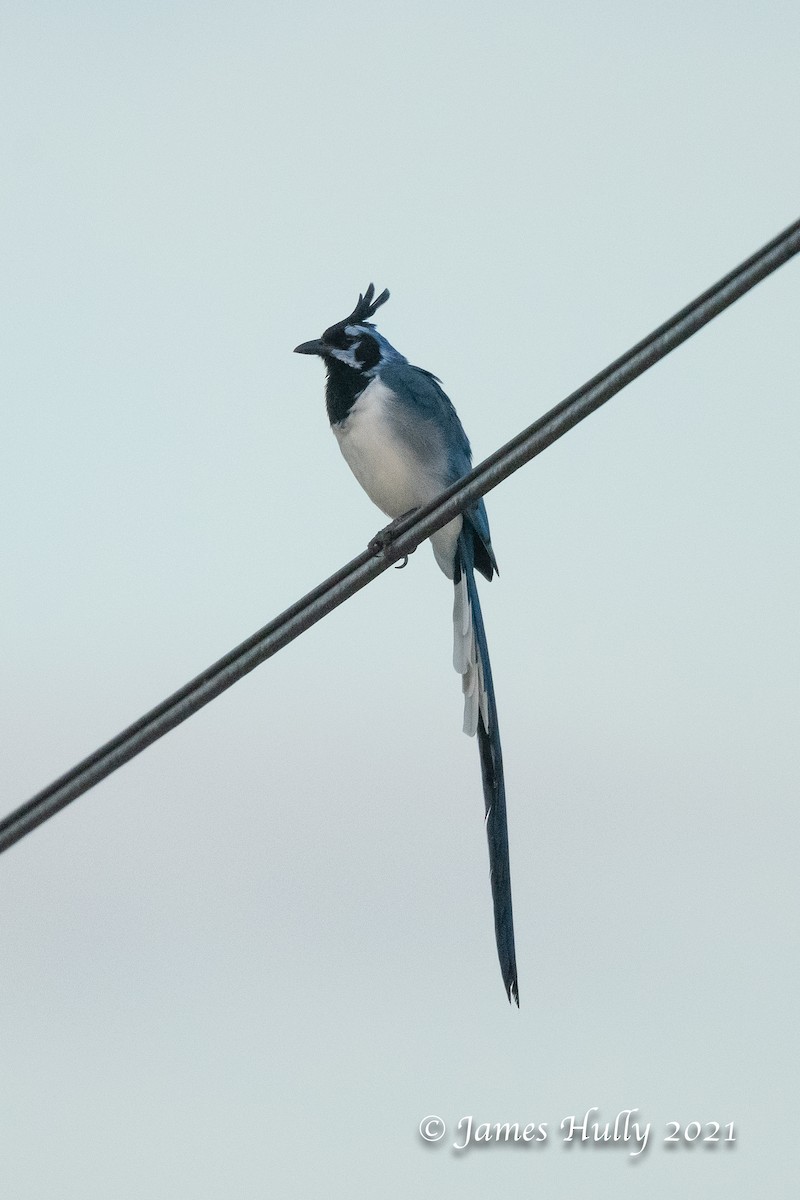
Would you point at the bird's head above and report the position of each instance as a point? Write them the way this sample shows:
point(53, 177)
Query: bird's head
point(354, 342)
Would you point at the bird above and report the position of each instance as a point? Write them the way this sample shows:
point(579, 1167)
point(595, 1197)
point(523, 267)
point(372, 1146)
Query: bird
point(402, 439)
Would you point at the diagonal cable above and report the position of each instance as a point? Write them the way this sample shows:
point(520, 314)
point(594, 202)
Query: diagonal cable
point(406, 535)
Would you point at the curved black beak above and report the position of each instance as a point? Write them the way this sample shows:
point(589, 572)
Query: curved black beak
point(315, 347)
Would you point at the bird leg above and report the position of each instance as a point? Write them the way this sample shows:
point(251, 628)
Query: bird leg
point(382, 542)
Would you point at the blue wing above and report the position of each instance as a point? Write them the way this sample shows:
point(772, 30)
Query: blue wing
point(425, 419)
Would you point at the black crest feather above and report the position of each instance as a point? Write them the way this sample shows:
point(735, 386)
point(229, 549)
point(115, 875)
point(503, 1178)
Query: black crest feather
point(366, 306)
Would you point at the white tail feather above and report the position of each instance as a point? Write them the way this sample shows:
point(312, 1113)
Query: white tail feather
point(462, 627)
point(466, 661)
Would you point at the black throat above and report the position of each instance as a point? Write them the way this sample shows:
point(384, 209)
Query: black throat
point(342, 389)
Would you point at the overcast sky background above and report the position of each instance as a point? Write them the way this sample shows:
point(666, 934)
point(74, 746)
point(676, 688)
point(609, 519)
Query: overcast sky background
point(252, 960)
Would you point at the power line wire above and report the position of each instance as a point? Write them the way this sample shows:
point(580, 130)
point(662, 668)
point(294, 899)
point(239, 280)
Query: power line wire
point(404, 538)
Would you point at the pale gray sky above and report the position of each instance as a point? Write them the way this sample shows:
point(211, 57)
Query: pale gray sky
point(253, 960)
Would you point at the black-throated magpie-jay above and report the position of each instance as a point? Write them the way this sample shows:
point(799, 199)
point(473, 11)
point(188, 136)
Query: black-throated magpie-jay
point(404, 443)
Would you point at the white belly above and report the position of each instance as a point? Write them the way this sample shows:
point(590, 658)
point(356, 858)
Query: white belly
point(385, 465)
point(392, 474)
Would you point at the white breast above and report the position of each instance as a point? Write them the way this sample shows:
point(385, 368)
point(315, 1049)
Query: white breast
point(385, 466)
point(391, 472)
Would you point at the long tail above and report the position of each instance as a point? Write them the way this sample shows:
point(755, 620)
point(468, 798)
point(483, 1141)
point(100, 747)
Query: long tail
point(471, 660)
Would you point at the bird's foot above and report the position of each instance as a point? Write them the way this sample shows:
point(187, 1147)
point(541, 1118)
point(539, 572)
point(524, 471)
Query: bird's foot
point(383, 541)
